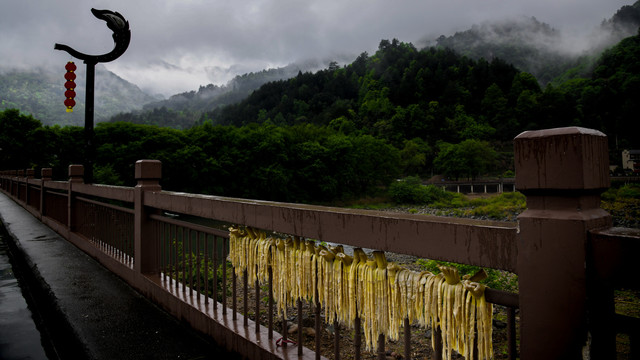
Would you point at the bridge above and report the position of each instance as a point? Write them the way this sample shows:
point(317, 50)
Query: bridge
point(478, 187)
point(567, 256)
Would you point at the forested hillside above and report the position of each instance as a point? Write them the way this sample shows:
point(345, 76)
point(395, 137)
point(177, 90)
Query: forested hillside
point(526, 43)
point(401, 93)
point(345, 131)
point(184, 109)
point(351, 131)
point(40, 92)
point(538, 48)
point(302, 163)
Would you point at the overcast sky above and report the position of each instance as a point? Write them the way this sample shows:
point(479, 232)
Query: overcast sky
point(179, 45)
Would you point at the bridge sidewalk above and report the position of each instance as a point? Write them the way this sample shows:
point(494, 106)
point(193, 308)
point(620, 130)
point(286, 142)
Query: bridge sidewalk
point(95, 315)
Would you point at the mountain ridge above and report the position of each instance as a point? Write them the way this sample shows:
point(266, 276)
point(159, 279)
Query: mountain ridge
point(530, 45)
point(40, 92)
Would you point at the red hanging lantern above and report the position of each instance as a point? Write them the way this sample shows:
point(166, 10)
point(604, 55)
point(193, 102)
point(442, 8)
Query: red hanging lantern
point(70, 85)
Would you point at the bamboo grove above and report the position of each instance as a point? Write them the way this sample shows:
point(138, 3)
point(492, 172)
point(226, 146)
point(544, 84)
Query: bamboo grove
point(380, 293)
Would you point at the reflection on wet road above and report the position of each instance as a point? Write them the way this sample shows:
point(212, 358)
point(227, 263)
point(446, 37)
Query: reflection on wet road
point(19, 337)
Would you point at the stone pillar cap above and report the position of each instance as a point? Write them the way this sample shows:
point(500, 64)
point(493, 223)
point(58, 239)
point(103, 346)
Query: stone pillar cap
point(571, 130)
point(148, 170)
point(76, 173)
point(570, 158)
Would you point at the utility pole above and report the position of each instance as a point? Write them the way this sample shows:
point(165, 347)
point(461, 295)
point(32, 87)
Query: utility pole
point(121, 37)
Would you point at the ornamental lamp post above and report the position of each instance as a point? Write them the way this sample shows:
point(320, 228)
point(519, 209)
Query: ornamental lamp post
point(121, 37)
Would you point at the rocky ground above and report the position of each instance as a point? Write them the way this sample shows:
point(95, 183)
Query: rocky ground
point(420, 337)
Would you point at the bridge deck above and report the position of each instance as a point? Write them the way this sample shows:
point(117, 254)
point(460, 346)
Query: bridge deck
point(97, 315)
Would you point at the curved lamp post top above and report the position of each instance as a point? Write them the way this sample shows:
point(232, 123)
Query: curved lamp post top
point(121, 37)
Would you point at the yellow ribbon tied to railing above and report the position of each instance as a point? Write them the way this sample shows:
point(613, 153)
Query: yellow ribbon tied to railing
point(380, 293)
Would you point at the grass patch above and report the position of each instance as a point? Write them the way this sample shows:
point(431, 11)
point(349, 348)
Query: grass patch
point(497, 279)
point(410, 191)
point(623, 204)
point(504, 206)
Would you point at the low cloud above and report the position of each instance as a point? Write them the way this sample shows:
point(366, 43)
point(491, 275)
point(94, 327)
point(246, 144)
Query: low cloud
point(178, 46)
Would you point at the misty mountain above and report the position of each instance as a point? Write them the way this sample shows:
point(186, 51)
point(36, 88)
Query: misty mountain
point(624, 21)
point(185, 109)
point(538, 48)
point(40, 92)
point(212, 96)
point(530, 45)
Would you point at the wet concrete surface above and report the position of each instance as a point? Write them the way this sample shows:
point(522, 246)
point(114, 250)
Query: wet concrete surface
point(19, 336)
point(89, 311)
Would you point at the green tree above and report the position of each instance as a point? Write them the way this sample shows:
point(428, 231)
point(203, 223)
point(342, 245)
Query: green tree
point(470, 158)
point(416, 157)
point(18, 148)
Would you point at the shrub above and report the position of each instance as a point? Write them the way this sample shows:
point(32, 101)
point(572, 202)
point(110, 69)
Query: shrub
point(630, 191)
point(406, 191)
point(496, 279)
point(610, 195)
point(411, 191)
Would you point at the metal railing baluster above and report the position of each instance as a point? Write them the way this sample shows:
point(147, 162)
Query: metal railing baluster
point(224, 277)
point(382, 355)
point(336, 339)
point(357, 338)
point(407, 339)
point(215, 277)
point(206, 269)
point(245, 295)
point(270, 302)
point(257, 319)
point(198, 266)
point(300, 327)
point(511, 333)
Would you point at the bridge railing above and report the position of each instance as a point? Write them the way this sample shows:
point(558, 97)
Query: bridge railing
point(564, 306)
point(478, 186)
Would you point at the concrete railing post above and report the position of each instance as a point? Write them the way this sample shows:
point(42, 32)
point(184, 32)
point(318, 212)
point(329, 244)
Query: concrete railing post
point(46, 174)
point(76, 176)
point(146, 248)
point(29, 174)
point(22, 177)
point(15, 185)
point(562, 172)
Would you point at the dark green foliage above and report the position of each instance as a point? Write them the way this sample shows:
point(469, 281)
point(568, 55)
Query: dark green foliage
point(399, 93)
point(17, 134)
point(182, 111)
point(626, 19)
point(26, 143)
point(435, 94)
point(537, 48)
point(496, 279)
point(297, 163)
point(624, 205)
point(609, 102)
point(411, 191)
point(347, 131)
point(302, 163)
point(467, 159)
point(527, 43)
point(630, 191)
